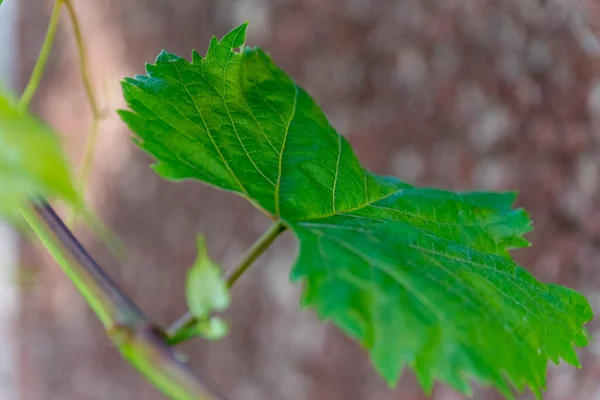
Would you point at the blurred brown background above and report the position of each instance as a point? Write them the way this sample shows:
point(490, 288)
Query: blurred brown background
point(460, 94)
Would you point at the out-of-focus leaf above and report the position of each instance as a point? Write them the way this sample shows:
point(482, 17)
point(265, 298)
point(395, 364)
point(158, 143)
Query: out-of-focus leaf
point(32, 162)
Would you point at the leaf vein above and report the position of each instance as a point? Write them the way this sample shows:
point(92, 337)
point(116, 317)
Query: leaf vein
point(287, 130)
point(260, 126)
point(337, 171)
point(242, 188)
point(234, 126)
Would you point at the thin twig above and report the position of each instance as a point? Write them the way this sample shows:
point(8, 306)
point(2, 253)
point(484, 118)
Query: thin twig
point(97, 114)
point(40, 64)
point(83, 62)
point(187, 321)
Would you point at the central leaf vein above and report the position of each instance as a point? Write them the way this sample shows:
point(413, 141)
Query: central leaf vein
point(337, 171)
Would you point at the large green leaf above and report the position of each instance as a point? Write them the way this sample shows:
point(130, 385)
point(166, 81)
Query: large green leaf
point(31, 159)
point(421, 277)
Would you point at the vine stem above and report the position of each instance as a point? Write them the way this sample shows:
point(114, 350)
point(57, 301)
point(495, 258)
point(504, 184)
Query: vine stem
point(187, 321)
point(78, 276)
point(42, 60)
point(101, 293)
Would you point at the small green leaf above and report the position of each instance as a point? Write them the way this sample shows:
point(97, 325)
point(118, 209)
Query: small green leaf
point(206, 292)
point(206, 289)
point(420, 277)
point(32, 163)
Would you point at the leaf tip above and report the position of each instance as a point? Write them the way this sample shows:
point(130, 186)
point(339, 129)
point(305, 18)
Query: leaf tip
point(165, 57)
point(201, 245)
point(212, 46)
point(128, 85)
point(236, 37)
point(196, 57)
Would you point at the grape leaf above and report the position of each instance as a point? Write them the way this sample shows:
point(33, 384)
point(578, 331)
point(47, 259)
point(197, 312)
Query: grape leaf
point(420, 277)
point(31, 159)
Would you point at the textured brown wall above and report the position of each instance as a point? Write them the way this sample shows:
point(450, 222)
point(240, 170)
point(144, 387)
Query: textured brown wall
point(470, 94)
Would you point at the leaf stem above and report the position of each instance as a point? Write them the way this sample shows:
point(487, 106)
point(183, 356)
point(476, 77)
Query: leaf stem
point(187, 321)
point(254, 252)
point(40, 65)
